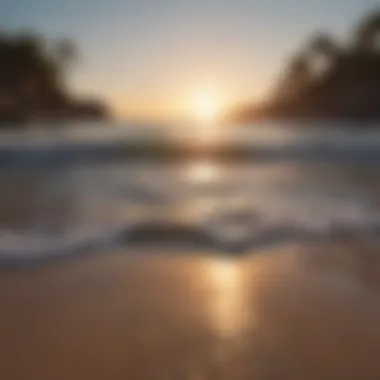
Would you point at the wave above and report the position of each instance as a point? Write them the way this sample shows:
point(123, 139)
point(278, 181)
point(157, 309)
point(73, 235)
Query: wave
point(222, 236)
point(65, 147)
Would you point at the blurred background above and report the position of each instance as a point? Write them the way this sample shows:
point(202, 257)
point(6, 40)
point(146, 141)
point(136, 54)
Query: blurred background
point(189, 189)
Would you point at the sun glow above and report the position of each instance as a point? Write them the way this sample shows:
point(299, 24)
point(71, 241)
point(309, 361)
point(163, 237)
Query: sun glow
point(207, 107)
point(203, 172)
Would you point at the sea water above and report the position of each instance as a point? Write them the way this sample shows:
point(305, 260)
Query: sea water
point(60, 194)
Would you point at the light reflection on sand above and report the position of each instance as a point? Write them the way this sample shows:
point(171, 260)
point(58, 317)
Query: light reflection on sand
point(295, 313)
point(226, 303)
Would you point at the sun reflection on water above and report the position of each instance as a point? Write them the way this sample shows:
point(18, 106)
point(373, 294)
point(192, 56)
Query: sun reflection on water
point(203, 172)
point(225, 305)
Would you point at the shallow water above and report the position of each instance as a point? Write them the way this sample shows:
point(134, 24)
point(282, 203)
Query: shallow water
point(47, 211)
point(323, 188)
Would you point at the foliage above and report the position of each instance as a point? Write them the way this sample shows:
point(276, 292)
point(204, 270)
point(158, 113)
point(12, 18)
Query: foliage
point(326, 79)
point(33, 77)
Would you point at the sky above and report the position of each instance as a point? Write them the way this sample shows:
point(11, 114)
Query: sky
point(155, 57)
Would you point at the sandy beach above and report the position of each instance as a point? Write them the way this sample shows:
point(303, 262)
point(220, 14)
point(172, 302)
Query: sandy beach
point(295, 313)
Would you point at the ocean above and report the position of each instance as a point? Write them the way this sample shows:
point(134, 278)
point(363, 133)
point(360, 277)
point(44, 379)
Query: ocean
point(79, 188)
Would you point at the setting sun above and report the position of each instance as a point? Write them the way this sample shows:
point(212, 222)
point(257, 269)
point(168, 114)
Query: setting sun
point(207, 107)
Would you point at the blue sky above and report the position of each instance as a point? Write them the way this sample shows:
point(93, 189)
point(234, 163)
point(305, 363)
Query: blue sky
point(152, 56)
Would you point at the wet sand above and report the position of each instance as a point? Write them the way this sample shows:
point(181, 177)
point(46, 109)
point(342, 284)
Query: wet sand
point(294, 313)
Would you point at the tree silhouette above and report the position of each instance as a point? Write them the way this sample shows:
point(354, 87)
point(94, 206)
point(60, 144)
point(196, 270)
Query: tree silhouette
point(368, 34)
point(33, 78)
point(297, 77)
point(324, 46)
point(326, 79)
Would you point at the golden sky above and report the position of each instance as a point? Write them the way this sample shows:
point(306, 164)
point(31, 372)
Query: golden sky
point(160, 58)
